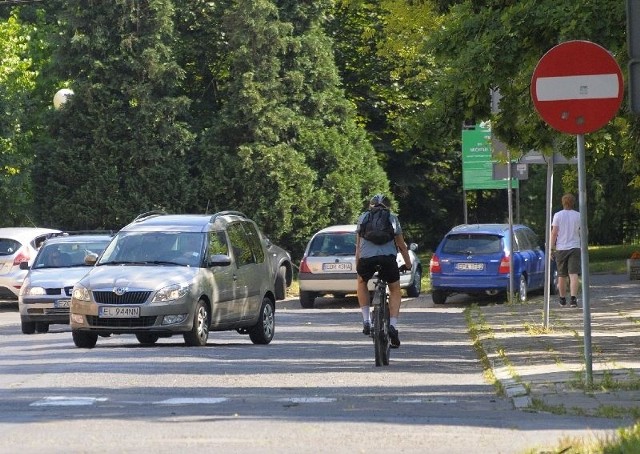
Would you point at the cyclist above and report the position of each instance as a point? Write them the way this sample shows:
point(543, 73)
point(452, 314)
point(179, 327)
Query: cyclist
point(368, 255)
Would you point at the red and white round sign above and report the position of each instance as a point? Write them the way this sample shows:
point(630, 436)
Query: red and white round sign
point(577, 87)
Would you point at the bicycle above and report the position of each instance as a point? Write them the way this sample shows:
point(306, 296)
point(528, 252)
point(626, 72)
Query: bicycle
point(380, 319)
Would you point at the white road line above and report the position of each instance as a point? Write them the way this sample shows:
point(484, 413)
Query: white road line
point(63, 401)
point(191, 400)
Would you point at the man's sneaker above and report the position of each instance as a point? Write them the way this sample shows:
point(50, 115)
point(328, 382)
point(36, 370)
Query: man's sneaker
point(366, 328)
point(574, 302)
point(562, 301)
point(393, 335)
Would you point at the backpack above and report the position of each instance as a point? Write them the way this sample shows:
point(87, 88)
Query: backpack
point(376, 226)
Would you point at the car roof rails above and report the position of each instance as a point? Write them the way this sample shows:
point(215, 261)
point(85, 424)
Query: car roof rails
point(224, 213)
point(84, 232)
point(149, 214)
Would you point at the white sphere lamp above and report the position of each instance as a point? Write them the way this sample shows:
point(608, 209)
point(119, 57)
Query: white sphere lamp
point(61, 97)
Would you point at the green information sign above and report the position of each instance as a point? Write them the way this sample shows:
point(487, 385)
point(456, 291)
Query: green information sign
point(477, 162)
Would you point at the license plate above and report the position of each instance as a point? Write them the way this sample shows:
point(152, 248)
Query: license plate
point(336, 267)
point(118, 312)
point(470, 266)
point(62, 303)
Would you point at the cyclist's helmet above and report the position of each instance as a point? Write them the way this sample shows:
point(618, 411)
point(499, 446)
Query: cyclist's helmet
point(378, 200)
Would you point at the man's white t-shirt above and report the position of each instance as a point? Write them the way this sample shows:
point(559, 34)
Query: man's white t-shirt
point(568, 224)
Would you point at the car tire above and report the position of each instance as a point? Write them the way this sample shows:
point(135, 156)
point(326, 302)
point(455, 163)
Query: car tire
point(307, 299)
point(281, 283)
point(262, 332)
point(84, 339)
point(413, 290)
point(199, 333)
point(147, 338)
point(42, 327)
point(523, 289)
point(438, 296)
point(28, 327)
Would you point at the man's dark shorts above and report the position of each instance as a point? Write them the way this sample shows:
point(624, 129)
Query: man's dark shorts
point(568, 262)
point(366, 268)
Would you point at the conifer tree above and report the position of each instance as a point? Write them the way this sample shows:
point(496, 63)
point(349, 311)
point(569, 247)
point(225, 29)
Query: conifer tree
point(285, 147)
point(117, 147)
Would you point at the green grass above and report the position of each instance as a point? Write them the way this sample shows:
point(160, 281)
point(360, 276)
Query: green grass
point(626, 440)
point(610, 259)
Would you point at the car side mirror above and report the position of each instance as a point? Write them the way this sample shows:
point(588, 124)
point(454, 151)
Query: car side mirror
point(90, 259)
point(24, 265)
point(219, 260)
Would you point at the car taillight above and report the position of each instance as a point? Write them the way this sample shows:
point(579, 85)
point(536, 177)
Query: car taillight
point(22, 256)
point(304, 268)
point(504, 265)
point(434, 265)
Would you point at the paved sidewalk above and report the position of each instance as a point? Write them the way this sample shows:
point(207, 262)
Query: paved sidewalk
point(544, 370)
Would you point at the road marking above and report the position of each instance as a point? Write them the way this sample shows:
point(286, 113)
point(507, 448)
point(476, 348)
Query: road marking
point(308, 400)
point(64, 401)
point(191, 400)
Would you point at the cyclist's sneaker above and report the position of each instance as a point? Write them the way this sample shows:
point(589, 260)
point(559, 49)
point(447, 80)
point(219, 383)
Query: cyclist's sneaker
point(574, 302)
point(366, 328)
point(393, 335)
point(562, 301)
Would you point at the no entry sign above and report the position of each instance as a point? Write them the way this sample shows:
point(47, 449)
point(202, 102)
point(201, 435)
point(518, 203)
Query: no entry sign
point(577, 87)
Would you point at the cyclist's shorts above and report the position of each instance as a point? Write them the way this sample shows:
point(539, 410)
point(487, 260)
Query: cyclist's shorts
point(366, 268)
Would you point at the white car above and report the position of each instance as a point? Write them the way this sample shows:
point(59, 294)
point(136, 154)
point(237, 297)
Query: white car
point(45, 294)
point(329, 266)
point(17, 245)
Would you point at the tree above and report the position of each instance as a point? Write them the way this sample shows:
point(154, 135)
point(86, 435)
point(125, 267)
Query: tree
point(117, 147)
point(285, 147)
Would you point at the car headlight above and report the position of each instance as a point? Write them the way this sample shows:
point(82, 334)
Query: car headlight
point(33, 291)
point(81, 293)
point(170, 293)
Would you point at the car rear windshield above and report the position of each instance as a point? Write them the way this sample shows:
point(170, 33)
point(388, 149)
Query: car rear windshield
point(8, 246)
point(342, 243)
point(475, 243)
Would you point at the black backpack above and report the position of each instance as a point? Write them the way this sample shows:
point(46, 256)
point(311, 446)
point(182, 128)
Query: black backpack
point(376, 226)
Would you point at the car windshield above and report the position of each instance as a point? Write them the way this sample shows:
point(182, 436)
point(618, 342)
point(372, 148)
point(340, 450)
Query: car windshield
point(157, 248)
point(464, 244)
point(340, 243)
point(59, 255)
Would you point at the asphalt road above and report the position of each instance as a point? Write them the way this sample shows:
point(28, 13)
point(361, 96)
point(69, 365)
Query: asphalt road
point(315, 388)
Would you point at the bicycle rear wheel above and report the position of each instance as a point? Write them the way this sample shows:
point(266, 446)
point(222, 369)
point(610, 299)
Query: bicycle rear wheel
point(381, 332)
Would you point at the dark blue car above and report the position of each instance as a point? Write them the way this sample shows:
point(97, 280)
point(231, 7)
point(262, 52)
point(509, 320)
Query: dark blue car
point(474, 259)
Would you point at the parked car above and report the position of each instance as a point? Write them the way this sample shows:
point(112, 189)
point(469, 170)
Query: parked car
point(474, 259)
point(17, 245)
point(171, 274)
point(282, 267)
point(328, 266)
point(45, 294)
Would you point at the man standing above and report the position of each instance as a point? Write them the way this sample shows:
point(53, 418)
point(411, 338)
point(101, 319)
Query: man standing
point(381, 250)
point(565, 245)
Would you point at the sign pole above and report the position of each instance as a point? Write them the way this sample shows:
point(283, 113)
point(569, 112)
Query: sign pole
point(547, 235)
point(584, 258)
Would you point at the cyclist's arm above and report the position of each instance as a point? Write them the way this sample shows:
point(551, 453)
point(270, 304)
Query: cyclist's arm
point(402, 246)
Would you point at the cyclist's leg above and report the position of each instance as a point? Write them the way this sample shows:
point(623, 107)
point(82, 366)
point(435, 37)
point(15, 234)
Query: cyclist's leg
point(365, 270)
point(395, 298)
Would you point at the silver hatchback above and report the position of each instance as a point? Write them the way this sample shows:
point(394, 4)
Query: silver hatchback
point(45, 294)
point(164, 275)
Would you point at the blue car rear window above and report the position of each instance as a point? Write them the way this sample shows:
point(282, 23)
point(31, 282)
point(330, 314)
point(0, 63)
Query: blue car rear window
point(464, 244)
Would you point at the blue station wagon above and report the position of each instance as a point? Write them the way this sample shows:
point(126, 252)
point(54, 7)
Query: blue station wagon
point(474, 259)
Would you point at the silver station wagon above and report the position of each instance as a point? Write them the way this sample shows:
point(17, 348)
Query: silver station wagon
point(188, 274)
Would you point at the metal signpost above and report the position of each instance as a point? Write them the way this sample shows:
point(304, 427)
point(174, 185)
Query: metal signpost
point(577, 88)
